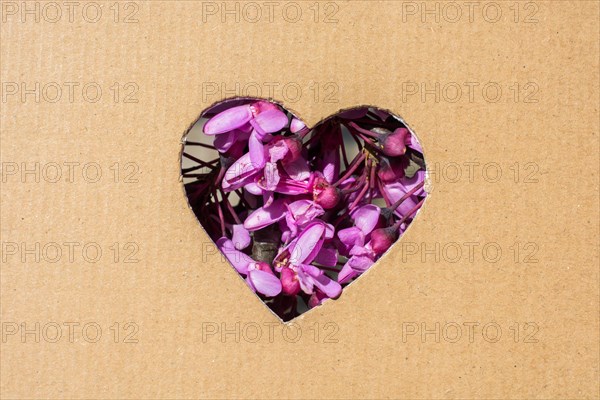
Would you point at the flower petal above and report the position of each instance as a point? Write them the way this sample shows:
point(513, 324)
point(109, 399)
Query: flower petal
point(265, 216)
point(366, 217)
point(306, 281)
point(327, 256)
point(272, 178)
point(413, 143)
point(354, 113)
point(352, 236)
point(330, 172)
point(328, 286)
point(397, 190)
point(308, 244)
point(296, 125)
point(271, 121)
point(257, 150)
point(241, 237)
point(237, 174)
point(329, 231)
point(304, 211)
point(277, 150)
point(360, 263)
point(253, 188)
point(298, 169)
point(291, 186)
point(239, 260)
point(228, 120)
point(224, 142)
point(346, 274)
point(416, 179)
point(268, 198)
point(265, 283)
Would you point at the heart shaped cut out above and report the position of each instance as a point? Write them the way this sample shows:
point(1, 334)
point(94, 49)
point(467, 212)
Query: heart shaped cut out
point(301, 212)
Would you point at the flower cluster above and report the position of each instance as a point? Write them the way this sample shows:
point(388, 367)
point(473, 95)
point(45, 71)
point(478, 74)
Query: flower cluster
point(301, 212)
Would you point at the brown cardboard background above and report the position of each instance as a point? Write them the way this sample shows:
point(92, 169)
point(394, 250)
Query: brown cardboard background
point(174, 289)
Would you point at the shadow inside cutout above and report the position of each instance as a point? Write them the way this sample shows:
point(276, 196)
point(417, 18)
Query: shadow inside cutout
point(301, 212)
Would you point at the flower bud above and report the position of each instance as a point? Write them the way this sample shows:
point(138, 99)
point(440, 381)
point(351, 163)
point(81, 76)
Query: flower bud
point(326, 195)
point(394, 144)
point(391, 169)
point(383, 238)
point(289, 282)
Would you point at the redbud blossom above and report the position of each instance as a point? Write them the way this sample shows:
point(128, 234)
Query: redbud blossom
point(301, 212)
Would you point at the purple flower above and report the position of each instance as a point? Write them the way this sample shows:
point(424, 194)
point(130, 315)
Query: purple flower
point(366, 219)
point(263, 116)
point(259, 275)
point(298, 256)
point(396, 191)
point(264, 170)
point(255, 122)
point(266, 215)
point(394, 144)
point(297, 212)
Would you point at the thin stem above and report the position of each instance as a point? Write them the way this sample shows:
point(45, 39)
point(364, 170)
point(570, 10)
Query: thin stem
point(220, 210)
point(328, 268)
point(199, 161)
point(191, 169)
point(353, 166)
point(352, 190)
point(344, 155)
point(355, 186)
point(364, 131)
point(388, 202)
point(303, 132)
point(230, 208)
point(372, 182)
point(242, 199)
point(359, 197)
point(366, 139)
point(188, 143)
point(411, 212)
point(220, 176)
point(407, 195)
point(358, 143)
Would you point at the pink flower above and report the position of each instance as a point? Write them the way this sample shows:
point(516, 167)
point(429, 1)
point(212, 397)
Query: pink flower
point(366, 219)
point(298, 256)
point(265, 170)
point(296, 211)
point(261, 115)
point(266, 215)
point(259, 275)
point(394, 144)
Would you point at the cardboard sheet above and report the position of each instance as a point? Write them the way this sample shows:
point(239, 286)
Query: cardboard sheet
point(111, 289)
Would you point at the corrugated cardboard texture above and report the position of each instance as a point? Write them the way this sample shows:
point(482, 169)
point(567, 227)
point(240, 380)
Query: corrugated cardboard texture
point(492, 293)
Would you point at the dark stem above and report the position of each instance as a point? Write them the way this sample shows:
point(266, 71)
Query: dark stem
point(353, 166)
point(411, 212)
point(187, 143)
point(199, 161)
point(407, 195)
